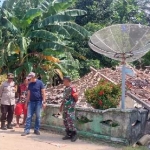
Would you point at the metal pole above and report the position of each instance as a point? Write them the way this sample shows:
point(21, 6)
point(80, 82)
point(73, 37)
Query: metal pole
point(123, 86)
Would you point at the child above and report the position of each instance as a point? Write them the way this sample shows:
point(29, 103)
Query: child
point(20, 106)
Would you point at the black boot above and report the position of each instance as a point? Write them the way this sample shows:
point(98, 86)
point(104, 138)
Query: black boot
point(74, 136)
point(67, 136)
point(9, 126)
point(3, 127)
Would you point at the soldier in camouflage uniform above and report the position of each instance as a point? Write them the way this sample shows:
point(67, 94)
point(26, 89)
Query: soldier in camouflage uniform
point(68, 106)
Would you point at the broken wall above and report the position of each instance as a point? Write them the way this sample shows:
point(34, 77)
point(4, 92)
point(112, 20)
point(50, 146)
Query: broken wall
point(111, 125)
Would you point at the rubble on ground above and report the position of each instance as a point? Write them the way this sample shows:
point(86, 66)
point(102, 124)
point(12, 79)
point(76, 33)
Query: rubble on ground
point(139, 85)
point(55, 94)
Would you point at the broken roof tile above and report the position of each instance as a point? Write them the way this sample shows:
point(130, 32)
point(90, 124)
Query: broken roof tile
point(138, 85)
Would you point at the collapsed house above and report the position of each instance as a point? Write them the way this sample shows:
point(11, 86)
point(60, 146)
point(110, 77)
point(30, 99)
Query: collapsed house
point(138, 86)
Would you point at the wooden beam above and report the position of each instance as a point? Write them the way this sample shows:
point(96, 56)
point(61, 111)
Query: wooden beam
point(146, 105)
point(103, 76)
point(93, 69)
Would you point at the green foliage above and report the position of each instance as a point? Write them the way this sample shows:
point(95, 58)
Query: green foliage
point(93, 27)
point(104, 13)
point(3, 78)
point(71, 66)
point(43, 34)
point(107, 12)
point(93, 63)
point(74, 74)
point(127, 11)
point(85, 66)
point(97, 11)
point(105, 95)
point(146, 60)
point(142, 62)
point(29, 28)
point(74, 12)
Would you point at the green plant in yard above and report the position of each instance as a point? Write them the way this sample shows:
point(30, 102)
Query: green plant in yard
point(105, 95)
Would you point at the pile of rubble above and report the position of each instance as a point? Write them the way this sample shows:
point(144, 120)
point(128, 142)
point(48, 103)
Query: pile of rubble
point(139, 85)
point(55, 94)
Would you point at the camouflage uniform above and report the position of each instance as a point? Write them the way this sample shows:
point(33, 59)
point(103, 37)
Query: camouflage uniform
point(69, 109)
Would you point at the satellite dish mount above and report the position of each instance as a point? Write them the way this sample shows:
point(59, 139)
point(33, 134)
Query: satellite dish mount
point(124, 43)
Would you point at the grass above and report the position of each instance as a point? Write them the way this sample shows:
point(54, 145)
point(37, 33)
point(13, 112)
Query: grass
point(136, 148)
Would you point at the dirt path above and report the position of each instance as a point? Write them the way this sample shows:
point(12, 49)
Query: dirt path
point(11, 140)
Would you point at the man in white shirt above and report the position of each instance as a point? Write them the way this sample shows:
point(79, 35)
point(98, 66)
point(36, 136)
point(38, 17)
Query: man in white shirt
point(7, 94)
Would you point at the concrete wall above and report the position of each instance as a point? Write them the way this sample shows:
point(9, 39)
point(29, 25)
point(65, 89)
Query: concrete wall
point(110, 125)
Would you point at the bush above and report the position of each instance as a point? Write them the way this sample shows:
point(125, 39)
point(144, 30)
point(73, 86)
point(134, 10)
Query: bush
point(105, 95)
point(85, 66)
point(3, 78)
point(74, 74)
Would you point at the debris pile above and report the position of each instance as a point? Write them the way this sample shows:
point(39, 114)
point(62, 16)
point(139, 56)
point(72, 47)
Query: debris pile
point(55, 94)
point(139, 85)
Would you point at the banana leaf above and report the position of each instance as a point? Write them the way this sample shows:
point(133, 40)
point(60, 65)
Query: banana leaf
point(43, 34)
point(51, 45)
point(77, 27)
point(55, 19)
point(6, 23)
point(73, 12)
point(23, 44)
point(30, 16)
point(59, 29)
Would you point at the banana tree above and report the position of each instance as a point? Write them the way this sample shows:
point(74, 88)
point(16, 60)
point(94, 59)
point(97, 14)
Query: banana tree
point(48, 26)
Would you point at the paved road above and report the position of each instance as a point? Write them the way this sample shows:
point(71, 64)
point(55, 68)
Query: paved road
point(11, 140)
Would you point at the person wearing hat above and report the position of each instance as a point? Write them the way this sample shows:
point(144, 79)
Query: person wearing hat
point(68, 107)
point(35, 100)
point(7, 94)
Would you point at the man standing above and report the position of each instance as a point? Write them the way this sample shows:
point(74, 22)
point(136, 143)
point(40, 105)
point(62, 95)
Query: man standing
point(68, 107)
point(35, 100)
point(7, 94)
point(20, 106)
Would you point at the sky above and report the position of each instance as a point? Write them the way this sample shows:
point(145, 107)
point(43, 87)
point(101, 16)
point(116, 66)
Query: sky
point(1, 1)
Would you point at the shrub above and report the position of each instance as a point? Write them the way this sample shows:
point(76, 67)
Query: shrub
point(105, 95)
point(3, 78)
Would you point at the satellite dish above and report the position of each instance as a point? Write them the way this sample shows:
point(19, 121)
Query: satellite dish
point(122, 42)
